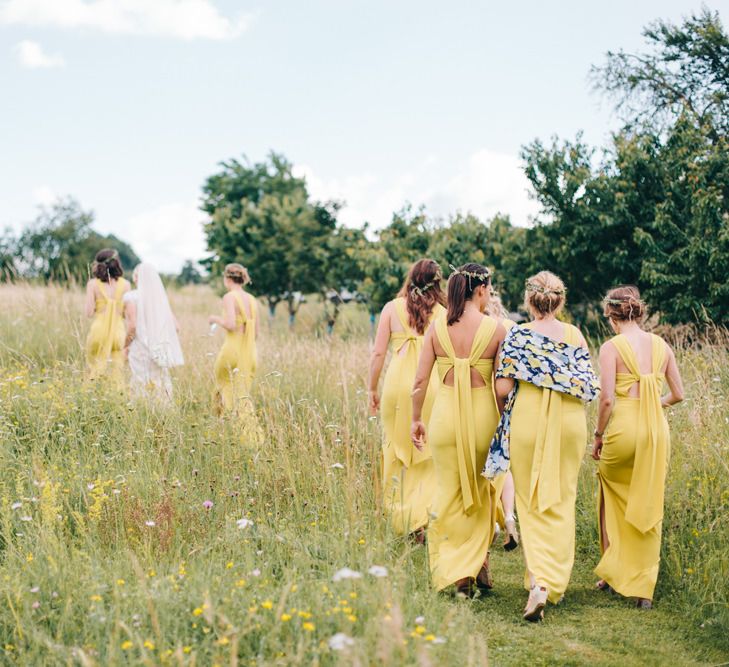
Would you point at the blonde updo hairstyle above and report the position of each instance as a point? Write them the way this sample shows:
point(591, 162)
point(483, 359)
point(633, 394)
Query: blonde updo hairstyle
point(544, 294)
point(237, 273)
point(623, 304)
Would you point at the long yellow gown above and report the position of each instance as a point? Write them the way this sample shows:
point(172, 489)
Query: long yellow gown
point(408, 477)
point(235, 365)
point(548, 441)
point(631, 476)
point(461, 427)
point(105, 342)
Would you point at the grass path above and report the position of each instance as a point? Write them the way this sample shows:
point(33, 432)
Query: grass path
point(588, 627)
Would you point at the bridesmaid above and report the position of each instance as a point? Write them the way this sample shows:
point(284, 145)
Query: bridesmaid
point(104, 302)
point(463, 344)
point(235, 365)
point(547, 437)
point(504, 483)
point(632, 445)
point(407, 473)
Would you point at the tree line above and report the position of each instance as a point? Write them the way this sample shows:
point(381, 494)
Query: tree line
point(651, 208)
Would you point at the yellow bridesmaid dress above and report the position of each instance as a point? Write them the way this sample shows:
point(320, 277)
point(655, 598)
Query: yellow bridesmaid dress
point(235, 365)
point(408, 477)
point(548, 441)
point(632, 475)
point(105, 342)
point(461, 427)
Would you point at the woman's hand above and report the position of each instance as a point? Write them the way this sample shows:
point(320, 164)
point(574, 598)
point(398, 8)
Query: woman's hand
point(374, 399)
point(417, 435)
point(213, 319)
point(597, 447)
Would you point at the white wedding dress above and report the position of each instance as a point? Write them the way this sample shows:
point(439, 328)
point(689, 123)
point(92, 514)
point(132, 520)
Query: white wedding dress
point(156, 346)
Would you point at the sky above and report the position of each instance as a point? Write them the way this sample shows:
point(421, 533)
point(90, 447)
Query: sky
point(128, 105)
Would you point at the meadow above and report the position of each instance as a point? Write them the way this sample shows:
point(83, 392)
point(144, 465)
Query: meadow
point(137, 534)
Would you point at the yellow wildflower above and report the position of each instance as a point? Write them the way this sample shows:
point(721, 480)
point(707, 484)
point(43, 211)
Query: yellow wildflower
point(285, 617)
point(308, 626)
point(267, 604)
point(126, 645)
point(149, 645)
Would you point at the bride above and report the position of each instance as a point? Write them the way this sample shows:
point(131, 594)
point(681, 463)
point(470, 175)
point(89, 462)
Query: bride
point(152, 345)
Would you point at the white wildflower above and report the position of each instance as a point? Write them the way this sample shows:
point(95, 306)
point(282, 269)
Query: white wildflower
point(378, 571)
point(244, 523)
point(346, 573)
point(340, 642)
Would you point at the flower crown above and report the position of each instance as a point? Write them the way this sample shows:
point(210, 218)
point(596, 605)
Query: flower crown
point(420, 290)
point(114, 255)
point(471, 275)
point(621, 300)
point(533, 287)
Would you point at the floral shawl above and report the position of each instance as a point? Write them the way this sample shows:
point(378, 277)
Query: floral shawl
point(528, 356)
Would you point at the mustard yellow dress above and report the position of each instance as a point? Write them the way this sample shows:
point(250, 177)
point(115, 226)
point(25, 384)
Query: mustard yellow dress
point(105, 341)
point(235, 365)
point(632, 474)
point(408, 477)
point(461, 427)
point(500, 480)
point(548, 442)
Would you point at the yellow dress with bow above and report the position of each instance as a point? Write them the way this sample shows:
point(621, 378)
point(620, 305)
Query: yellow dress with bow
point(105, 342)
point(408, 478)
point(632, 474)
point(235, 365)
point(548, 442)
point(461, 427)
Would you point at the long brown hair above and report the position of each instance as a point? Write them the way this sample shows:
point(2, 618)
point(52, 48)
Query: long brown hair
point(422, 290)
point(462, 283)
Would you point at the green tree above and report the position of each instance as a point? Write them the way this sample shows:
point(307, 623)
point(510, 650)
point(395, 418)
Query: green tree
point(8, 254)
point(189, 274)
point(61, 244)
point(261, 216)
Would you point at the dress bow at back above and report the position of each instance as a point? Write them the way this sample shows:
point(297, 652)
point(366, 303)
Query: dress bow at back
point(465, 423)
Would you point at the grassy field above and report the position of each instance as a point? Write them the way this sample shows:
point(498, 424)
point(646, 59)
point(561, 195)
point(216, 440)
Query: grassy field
point(122, 540)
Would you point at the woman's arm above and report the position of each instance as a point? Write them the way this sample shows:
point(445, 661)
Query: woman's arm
point(228, 320)
point(130, 315)
point(502, 389)
point(420, 387)
point(608, 371)
point(90, 305)
point(675, 383)
point(377, 358)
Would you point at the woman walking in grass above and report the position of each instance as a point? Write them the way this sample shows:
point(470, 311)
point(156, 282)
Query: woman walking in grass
point(407, 473)
point(152, 344)
point(544, 372)
point(235, 365)
point(463, 344)
point(632, 444)
point(104, 294)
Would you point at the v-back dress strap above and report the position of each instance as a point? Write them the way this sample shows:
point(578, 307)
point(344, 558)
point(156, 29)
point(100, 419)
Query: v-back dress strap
point(644, 508)
point(407, 336)
point(465, 422)
point(241, 305)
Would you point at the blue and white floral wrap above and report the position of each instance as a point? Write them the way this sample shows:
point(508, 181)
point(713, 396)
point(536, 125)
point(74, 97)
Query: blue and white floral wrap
point(528, 356)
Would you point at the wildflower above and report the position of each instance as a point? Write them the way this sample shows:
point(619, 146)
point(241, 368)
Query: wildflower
point(197, 611)
point(337, 465)
point(308, 626)
point(378, 571)
point(267, 604)
point(419, 620)
point(429, 638)
point(26, 518)
point(126, 645)
point(35, 589)
point(151, 574)
point(223, 641)
point(240, 583)
point(361, 540)
point(340, 642)
point(120, 582)
point(16, 506)
point(208, 504)
point(256, 573)
point(95, 598)
point(186, 649)
point(149, 645)
point(36, 605)
point(229, 565)
point(244, 523)
point(150, 524)
point(352, 618)
point(419, 629)
point(346, 573)
point(285, 617)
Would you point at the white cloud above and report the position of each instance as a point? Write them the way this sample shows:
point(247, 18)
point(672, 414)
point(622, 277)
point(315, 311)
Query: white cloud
point(182, 19)
point(488, 183)
point(31, 54)
point(44, 195)
point(167, 235)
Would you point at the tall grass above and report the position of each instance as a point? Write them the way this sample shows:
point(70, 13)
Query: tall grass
point(113, 553)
